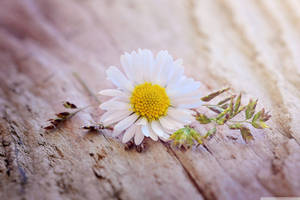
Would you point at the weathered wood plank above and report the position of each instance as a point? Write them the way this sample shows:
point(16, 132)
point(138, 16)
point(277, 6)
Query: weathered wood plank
point(252, 46)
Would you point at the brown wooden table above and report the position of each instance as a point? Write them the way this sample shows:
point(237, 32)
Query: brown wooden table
point(252, 46)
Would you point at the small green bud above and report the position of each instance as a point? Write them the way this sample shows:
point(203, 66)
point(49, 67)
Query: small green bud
point(186, 137)
point(236, 126)
point(203, 119)
point(246, 134)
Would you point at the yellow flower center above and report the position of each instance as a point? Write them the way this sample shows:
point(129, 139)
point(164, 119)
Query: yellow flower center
point(150, 101)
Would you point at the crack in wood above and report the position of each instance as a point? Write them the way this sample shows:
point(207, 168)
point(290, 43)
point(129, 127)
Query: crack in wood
point(206, 195)
point(17, 141)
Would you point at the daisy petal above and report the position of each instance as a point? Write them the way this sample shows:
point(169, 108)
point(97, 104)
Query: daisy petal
point(114, 116)
point(177, 72)
point(156, 127)
point(112, 93)
point(142, 121)
point(129, 134)
point(183, 88)
point(137, 65)
point(182, 115)
point(170, 124)
point(163, 59)
point(148, 63)
point(193, 105)
point(185, 100)
point(118, 78)
point(126, 63)
point(193, 94)
point(148, 132)
point(165, 139)
point(124, 124)
point(105, 115)
point(153, 136)
point(145, 130)
point(114, 105)
point(138, 137)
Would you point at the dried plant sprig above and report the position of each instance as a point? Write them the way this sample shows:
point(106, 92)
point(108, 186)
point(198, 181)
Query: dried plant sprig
point(225, 112)
point(67, 104)
point(96, 127)
point(187, 137)
point(214, 94)
point(203, 119)
point(63, 116)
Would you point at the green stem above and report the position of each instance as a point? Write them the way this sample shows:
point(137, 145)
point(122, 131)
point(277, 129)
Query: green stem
point(243, 121)
point(212, 105)
point(77, 111)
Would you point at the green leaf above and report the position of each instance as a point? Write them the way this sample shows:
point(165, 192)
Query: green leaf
point(259, 124)
point(256, 125)
point(220, 119)
point(231, 106)
point(256, 116)
point(246, 134)
point(240, 109)
point(250, 109)
point(258, 120)
point(237, 103)
point(223, 120)
point(225, 100)
point(210, 132)
point(223, 113)
point(236, 126)
point(214, 94)
point(186, 136)
point(196, 136)
point(203, 119)
point(263, 124)
point(224, 106)
point(215, 109)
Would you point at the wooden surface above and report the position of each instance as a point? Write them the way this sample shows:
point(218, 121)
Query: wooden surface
point(252, 46)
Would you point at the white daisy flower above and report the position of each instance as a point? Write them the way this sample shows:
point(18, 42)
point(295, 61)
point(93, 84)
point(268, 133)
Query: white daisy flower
point(153, 99)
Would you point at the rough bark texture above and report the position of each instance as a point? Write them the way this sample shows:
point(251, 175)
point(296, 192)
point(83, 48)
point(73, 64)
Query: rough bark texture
point(252, 46)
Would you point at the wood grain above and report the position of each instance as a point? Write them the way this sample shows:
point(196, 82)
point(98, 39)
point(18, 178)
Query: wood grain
point(252, 46)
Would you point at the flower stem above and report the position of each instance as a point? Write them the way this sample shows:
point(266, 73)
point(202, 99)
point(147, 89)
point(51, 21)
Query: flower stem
point(77, 111)
point(237, 121)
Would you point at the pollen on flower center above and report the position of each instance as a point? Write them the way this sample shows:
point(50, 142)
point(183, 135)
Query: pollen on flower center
point(150, 101)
